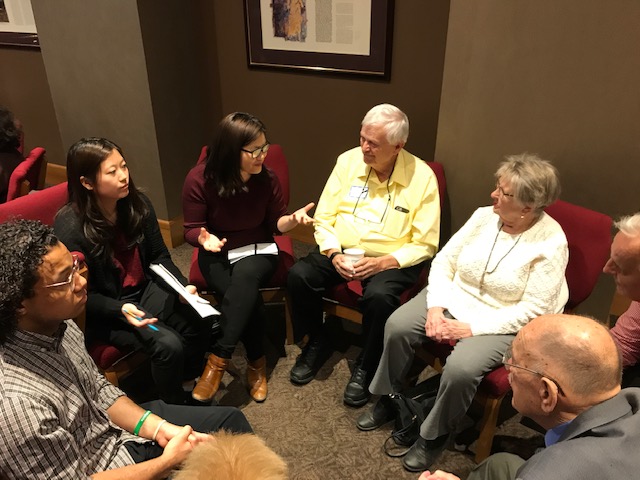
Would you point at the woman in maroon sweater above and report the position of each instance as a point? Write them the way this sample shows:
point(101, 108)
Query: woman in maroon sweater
point(231, 201)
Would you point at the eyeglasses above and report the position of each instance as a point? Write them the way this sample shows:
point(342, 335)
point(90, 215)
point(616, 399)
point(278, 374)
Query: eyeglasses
point(71, 281)
point(502, 192)
point(258, 151)
point(506, 361)
point(363, 193)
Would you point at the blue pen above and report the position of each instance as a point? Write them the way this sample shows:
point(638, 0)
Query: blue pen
point(152, 327)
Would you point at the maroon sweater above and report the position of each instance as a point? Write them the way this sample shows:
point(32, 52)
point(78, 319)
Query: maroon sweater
point(245, 218)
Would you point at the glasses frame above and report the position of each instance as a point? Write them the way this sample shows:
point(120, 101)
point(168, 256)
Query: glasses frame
point(365, 190)
point(506, 361)
point(502, 192)
point(72, 276)
point(258, 151)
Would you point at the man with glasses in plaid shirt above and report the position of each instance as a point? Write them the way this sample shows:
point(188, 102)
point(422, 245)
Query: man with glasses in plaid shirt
point(59, 417)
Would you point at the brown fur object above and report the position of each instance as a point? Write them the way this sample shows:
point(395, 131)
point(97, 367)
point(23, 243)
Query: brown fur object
point(231, 456)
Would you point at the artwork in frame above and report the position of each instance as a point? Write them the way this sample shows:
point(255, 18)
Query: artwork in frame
point(17, 25)
point(343, 36)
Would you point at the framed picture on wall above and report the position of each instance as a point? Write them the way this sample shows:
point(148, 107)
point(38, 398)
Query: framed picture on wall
point(17, 25)
point(343, 36)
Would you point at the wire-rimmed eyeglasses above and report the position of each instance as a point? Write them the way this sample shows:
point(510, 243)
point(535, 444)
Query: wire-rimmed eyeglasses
point(502, 192)
point(71, 281)
point(363, 193)
point(258, 151)
point(508, 364)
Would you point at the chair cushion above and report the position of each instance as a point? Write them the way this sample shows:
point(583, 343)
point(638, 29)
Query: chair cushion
point(495, 383)
point(104, 355)
point(41, 205)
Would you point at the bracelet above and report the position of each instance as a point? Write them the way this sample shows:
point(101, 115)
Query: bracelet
point(155, 434)
point(333, 255)
point(136, 430)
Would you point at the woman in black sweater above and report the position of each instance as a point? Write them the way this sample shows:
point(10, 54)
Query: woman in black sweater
point(114, 225)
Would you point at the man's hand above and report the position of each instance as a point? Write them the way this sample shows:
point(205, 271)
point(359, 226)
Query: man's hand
point(209, 241)
point(168, 431)
point(177, 449)
point(343, 266)
point(437, 475)
point(369, 266)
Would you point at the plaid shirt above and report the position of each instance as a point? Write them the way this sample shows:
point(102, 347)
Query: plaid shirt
point(53, 402)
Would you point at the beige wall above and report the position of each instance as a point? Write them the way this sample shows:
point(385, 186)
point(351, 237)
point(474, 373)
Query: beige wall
point(556, 78)
point(317, 117)
point(25, 91)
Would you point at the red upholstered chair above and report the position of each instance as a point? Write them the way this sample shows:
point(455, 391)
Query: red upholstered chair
point(43, 205)
point(28, 175)
point(275, 291)
point(589, 237)
point(342, 300)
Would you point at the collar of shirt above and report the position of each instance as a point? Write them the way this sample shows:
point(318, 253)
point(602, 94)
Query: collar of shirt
point(37, 341)
point(399, 174)
point(553, 435)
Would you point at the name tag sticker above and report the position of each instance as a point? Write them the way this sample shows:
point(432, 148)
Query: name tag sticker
point(358, 191)
point(401, 209)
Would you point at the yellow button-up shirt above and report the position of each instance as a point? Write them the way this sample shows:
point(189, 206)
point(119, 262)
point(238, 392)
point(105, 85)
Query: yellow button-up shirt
point(398, 217)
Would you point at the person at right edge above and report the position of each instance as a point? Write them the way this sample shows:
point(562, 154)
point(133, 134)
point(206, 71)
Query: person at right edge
point(385, 201)
point(503, 268)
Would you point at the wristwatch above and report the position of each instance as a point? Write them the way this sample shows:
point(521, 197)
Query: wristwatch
point(333, 255)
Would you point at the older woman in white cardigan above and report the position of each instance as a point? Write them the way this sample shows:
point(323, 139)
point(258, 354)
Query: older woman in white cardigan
point(503, 268)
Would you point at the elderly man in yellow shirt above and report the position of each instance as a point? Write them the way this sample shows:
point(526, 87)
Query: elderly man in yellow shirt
point(383, 200)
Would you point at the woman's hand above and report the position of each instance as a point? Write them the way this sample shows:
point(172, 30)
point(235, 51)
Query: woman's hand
point(210, 242)
point(135, 316)
point(301, 216)
point(435, 317)
point(192, 290)
point(453, 330)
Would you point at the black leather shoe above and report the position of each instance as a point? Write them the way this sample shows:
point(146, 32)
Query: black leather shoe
point(309, 362)
point(380, 413)
point(356, 394)
point(423, 453)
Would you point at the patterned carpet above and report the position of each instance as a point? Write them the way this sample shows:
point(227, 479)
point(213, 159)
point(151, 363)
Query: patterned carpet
point(312, 429)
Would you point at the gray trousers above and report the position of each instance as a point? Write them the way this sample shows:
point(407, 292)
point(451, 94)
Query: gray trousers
point(469, 361)
point(499, 466)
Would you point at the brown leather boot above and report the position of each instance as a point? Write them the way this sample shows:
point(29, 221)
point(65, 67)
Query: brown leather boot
point(257, 379)
point(209, 381)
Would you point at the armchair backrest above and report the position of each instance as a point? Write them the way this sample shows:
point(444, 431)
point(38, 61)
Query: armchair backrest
point(40, 205)
point(28, 175)
point(589, 237)
point(275, 160)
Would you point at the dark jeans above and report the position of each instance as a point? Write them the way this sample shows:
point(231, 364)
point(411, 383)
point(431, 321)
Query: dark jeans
point(243, 315)
point(308, 280)
point(203, 419)
point(176, 350)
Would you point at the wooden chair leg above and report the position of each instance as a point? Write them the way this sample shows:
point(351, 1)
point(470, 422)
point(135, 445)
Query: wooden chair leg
point(112, 377)
point(488, 427)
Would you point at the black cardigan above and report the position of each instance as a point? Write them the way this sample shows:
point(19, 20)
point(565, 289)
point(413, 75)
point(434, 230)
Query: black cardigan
point(104, 285)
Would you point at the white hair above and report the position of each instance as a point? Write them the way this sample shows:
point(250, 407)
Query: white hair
point(394, 121)
point(629, 225)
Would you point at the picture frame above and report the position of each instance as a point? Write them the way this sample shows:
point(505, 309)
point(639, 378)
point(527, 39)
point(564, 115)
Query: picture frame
point(353, 37)
point(17, 24)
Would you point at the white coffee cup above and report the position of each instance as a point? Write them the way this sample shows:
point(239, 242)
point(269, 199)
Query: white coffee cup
point(353, 254)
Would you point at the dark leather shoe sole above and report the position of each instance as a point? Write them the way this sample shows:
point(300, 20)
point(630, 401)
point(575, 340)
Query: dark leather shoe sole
point(301, 378)
point(356, 401)
point(367, 422)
